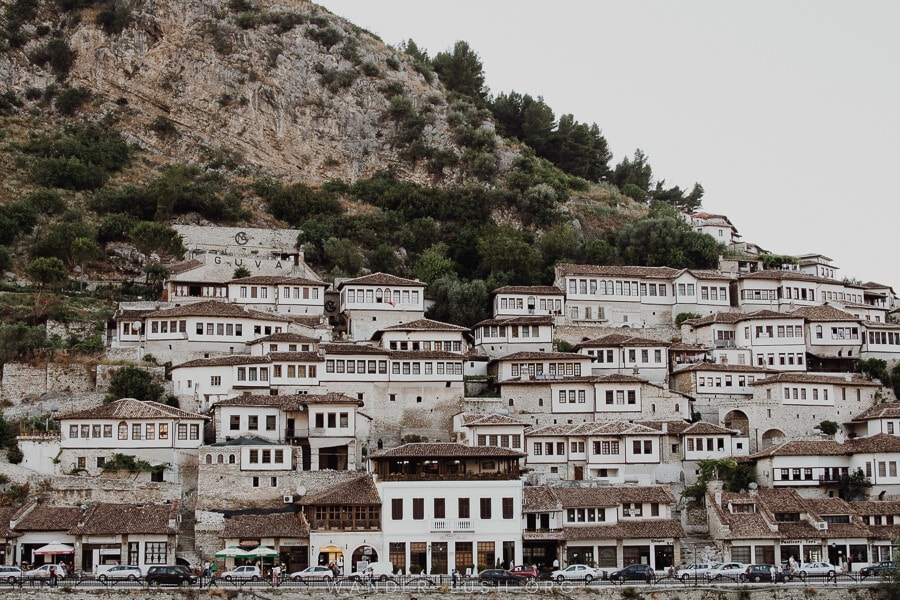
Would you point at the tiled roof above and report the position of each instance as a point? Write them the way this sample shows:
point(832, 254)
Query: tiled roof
point(710, 275)
point(225, 361)
point(491, 419)
point(618, 339)
point(616, 428)
point(132, 314)
point(426, 325)
point(703, 428)
point(828, 506)
point(874, 325)
point(381, 279)
point(888, 507)
point(184, 266)
point(289, 402)
point(295, 357)
point(540, 498)
point(805, 448)
point(122, 519)
point(785, 275)
point(517, 320)
point(6, 513)
point(708, 366)
point(425, 354)
point(881, 442)
point(275, 525)
point(49, 518)
point(624, 530)
point(823, 313)
point(446, 450)
point(347, 348)
point(542, 356)
point(537, 290)
point(278, 280)
point(586, 497)
point(130, 408)
point(213, 308)
point(885, 410)
point(243, 441)
point(672, 427)
point(285, 337)
point(358, 491)
point(617, 271)
point(736, 317)
point(839, 380)
point(682, 347)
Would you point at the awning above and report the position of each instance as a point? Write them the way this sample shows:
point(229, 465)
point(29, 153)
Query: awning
point(55, 548)
point(232, 552)
point(331, 549)
point(262, 552)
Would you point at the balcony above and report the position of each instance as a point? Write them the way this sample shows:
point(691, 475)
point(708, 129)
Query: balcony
point(724, 343)
point(447, 526)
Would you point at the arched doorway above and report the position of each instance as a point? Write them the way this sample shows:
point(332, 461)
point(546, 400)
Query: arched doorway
point(737, 419)
point(772, 437)
point(366, 554)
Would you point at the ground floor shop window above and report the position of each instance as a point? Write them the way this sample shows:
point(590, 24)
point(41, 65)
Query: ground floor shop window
point(741, 554)
point(633, 555)
point(397, 555)
point(607, 557)
point(464, 562)
point(486, 556)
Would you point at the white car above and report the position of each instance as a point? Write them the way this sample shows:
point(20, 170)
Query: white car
point(43, 572)
point(817, 569)
point(698, 571)
point(243, 573)
point(121, 572)
point(313, 573)
point(10, 574)
point(577, 573)
point(729, 570)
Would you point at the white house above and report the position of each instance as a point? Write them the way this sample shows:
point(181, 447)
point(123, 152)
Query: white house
point(621, 354)
point(489, 430)
point(280, 294)
point(834, 338)
point(449, 506)
point(379, 300)
point(530, 300)
point(880, 418)
point(423, 334)
point(711, 383)
point(507, 335)
point(718, 227)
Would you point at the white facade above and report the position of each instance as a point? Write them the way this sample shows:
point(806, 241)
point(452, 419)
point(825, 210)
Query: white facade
point(379, 300)
point(508, 335)
point(521, 301)
point(285, 295)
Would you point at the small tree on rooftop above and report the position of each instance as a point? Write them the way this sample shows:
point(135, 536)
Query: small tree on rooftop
point(132, 382)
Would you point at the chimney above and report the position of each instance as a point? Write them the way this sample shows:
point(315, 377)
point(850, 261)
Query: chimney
point(715, 486)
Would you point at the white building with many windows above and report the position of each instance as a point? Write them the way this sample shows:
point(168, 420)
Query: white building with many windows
point(373, 302)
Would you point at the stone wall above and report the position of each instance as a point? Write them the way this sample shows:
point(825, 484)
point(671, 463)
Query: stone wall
point(72, 490)
point(105, 373)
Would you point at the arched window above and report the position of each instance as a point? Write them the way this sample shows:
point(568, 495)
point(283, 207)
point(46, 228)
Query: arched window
point(232, 459)
point(123, 430)
point(379, 295)
point(818, 332)
point(220, 459)
point(209, 459)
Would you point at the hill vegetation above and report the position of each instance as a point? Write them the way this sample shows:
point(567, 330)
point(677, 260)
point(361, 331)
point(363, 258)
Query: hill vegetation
point(408, 163)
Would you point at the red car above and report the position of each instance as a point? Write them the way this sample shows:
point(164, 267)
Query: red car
point(525, 571)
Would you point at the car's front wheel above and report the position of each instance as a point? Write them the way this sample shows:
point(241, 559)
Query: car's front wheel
point(132, 578)
point(560, 578)
point(102, 578)
point(588, 578)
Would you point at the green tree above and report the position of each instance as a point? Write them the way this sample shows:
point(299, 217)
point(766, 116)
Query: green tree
point(508, 257)
point(19, 341)
point(151, 237)
point(666, 242)
point(461, 71)
point(635, 172)
point(828, 427)
point(46, 202)
point(83, 250)
point(433, 264)
point(875, 368)
point(560, 243)
point(240, 273)
point(458, 302)
point(684, 316)
point(384, 260)
point(133, 382)
point(735, 477)
point(5, 259)
point(7, 435)
point(854, 486)
point(344, 254)
point(47, 272)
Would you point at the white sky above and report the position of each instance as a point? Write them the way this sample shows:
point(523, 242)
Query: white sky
point(786, 112)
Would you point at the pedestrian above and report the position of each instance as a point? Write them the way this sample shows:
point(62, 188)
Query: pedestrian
point(276, 574)
point(212, 570)
point(555, 564)
point(52, 575)
point(453, 576)
point(206, 570)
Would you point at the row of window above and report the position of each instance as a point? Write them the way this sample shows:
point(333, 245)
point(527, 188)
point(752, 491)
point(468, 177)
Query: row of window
point(386, 296)
point(570, 396)
point(206, 291)
point(616, 288)
point(798, 293)
point(503, 441)
point(356, 366)
point(332, 420)
point(253, 423)
point(800, 393)
point(499, 331)
point(840, 333)
point(287, 292)
point(575, 311)
point(884, 337)
point(826, 296)
point(437, 346)
point(429, 368)
point(769, 331)
point(710, 443)
point(599, 447)
point(713, 293)
point(784, 358)
point(294, 348)
point(295, 371)
point(139, 431)
point(552, 369)
point(628, 397)
point(463, 508)
point(717, 381)
point(545, 304)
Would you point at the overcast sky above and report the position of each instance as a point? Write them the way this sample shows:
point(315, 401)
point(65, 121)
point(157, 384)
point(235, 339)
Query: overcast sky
point(786, 112)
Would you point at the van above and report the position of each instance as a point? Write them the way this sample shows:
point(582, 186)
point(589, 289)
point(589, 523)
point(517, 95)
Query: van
point(379, 571)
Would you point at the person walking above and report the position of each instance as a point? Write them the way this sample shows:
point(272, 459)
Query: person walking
point(453, 576)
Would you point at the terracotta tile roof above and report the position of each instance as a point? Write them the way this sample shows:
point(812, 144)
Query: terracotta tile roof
point(121, 519)
point(618, 340)
point(307, 321)
point(381, 279)
point(295, 357)
point(278, 280)
point(854, 529)
point(347, 348)
point(446, 450)
point(243, 441)
point(720, 367)
point(540, 498)
point(873, 325)
point(130, 408)
point(710, 275)
point(682, 347)
point(285, 337)
point(491, 419)
point(49, 518)
point(875, 507)
point(546, 380)
point(517, 320)
point(184, 266)
point(878, 443)
point(133, 315)
point(672, 427)
point(838, 380)
point(213, 308)
point(828, 506)
point(804, 448)
point(616, 428)
point(425, 354)
point(801, 530)
point(6, 513)
point(358, 491)
point(289, 402)
point(885, 410)
point(617, 271)
point(703, 428)
point(737, 317)
point(823, 313)
point(586, 497)
point(425, 325)
point(537, 290)
point(542, 356)
point(774, 275)
point(275, 525)
point(225, 361)
point(624, 530)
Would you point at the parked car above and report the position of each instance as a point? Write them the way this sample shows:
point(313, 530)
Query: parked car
point(700, 571)
point(243, 573)
point(729, 570)
point(313, 573)
point(633, 573)
point(765, 572)
point(501, 577)
point(10, 574)
point(43, 571)
point(120, 572)
point(886, 567)
point(577, 573)
point(526, 571)
point(816, 569)
point(170, 575)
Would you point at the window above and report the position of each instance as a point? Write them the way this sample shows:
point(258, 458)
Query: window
point(508, 507)
point(440, 508)
point(253, 422)
point(215, 380)
point(234, 422)
point(155, 553)
point(270, 422)
point(485, 508)
point(163, 431)
point(135, 431)
point(463, 508)
point(397, 509)
point(418, 509)
point(182, 431)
